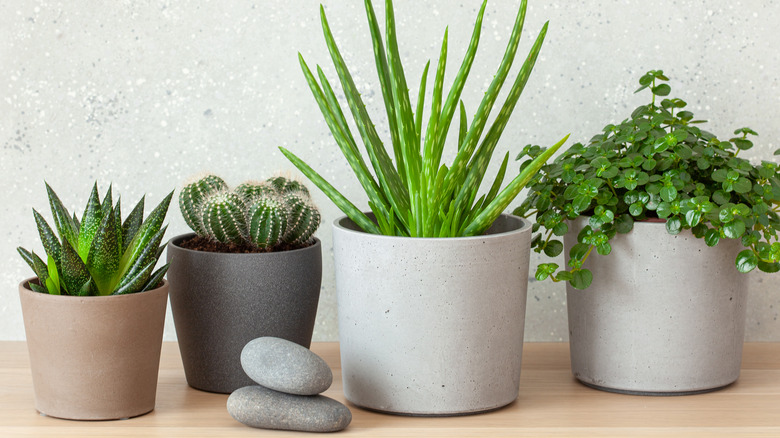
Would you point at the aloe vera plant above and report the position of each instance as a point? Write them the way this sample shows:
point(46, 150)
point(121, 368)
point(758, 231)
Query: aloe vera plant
point(100, 254)
point(419, 196)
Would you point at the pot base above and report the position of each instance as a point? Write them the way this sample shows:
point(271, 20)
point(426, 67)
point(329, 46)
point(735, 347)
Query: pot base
point(437, 415)
point(653, 393)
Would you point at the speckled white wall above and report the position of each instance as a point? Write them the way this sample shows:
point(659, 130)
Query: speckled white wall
point(146, 93)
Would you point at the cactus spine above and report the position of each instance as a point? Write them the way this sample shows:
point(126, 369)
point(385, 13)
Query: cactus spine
point(267, 215)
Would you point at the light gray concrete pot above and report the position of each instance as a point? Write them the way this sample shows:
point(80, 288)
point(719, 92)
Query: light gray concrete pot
point(432, 326)
point(665, 314)
point(220, 302)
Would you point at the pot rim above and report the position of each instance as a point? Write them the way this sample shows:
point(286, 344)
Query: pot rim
point(526, 225)
point(176, 239)
point(23, 286)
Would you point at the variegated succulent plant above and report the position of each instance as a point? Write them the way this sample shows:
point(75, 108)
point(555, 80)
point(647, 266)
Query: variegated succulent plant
point(101, 254)
point(276, 212)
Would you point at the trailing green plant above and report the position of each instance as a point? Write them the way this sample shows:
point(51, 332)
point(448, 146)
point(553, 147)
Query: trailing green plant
point(100, 254)
point(266, 215)
point(418, 196)
point(656, 164)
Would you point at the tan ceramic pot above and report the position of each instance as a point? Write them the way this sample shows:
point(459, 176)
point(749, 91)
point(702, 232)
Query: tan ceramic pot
point(94, 358)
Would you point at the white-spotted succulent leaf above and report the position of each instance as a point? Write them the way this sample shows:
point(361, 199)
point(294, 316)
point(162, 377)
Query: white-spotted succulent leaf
point(95, 255)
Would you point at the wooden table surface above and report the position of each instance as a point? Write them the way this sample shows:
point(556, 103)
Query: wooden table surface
point(551, 404)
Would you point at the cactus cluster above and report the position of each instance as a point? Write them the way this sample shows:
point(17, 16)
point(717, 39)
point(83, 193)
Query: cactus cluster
point(269, 214)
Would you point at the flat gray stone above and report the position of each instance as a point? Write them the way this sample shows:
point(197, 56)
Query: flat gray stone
point(285, 366)
point(265, 408)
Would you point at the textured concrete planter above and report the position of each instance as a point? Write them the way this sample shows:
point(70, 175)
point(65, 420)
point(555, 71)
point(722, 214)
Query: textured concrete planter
point(665, 314)
point(432, 326)
point(222, 301)
point(94, 358)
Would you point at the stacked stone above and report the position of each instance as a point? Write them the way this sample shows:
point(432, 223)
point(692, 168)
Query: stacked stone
point(290, 378)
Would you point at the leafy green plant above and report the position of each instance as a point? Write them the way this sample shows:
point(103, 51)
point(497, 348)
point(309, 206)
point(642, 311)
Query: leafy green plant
point(277, 212)
point(419, 196)
point(656, 164)
point(99, 255)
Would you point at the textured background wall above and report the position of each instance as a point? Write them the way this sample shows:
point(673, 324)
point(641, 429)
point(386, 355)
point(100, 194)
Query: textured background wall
point(145, 94)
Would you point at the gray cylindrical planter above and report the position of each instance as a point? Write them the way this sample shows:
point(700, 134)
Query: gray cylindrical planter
point(222, 301)
point(432, 326)
point(665, 314)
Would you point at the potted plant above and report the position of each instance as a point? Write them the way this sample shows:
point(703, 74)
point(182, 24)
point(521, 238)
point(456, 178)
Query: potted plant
point(432, 283)
point(674, 213)
point(95, 311)
point(251, 269)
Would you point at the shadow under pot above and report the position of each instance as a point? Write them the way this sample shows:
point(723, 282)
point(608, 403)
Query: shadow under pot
point(221, 301)
point(94, 357)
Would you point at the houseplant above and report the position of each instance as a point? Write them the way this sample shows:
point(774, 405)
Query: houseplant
point(427, 326)
point(675, 208)
point(251, 269)
point(95, 311)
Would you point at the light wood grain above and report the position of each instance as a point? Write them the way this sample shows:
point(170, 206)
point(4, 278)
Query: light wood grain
point(551, 404)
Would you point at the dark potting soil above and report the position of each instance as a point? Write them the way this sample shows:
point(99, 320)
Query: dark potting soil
point(198, 243)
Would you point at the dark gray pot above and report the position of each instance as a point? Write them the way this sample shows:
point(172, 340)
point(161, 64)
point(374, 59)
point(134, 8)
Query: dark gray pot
point(222, 301)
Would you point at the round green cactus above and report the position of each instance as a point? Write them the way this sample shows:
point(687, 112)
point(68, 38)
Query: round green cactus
point(193, 195)
point(276, 212)
point(304, 217)
point(267, 221)
point(224, 217)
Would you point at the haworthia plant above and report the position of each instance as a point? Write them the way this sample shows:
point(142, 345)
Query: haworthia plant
point(419, 196)
point(99, 255)
point(276, 212)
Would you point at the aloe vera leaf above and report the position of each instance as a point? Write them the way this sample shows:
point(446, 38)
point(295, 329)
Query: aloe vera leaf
point(482, 157)
point(148, 255)
point(453, 97)
point(496, 182)
point(499, 204)
point(338, 115)
point(338, 199)
point(464, 126)
point(50, 241)
point(156, 278)
point(148, 229)
point(62, 220)
point(388, 177)
point(403, 109)
point(132, 223)
point(74, 272)
point(137, 282)
point(431, 163)
point(105, 255)
point(349, 151)
point(383, 71)
point(459, 166)
point(90, 222)
point(421, 102)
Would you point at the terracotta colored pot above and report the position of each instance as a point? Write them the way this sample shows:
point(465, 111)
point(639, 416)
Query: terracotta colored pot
point(94, 358)
point(222, 301)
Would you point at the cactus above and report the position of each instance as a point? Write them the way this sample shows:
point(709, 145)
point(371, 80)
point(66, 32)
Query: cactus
point(268, 215)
